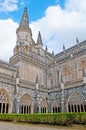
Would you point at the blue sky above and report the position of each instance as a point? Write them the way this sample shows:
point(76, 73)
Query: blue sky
point(59, 21)
point(36, 9)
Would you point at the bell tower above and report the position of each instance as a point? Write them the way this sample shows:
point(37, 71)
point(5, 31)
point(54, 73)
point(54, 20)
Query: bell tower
point(24, 34)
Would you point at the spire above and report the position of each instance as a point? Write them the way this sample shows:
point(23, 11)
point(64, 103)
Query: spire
point(25, 21)
point(63, 47)
point(46, 48)
point(77, 40)
point(39, 39)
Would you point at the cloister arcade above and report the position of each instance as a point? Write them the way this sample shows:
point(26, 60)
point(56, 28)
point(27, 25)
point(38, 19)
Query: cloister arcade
point(76, 103)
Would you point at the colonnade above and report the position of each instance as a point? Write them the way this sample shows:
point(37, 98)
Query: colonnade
point(77, 108)
point(56, 109)
point(43, 109)
point(25, 109)
point(4, 107)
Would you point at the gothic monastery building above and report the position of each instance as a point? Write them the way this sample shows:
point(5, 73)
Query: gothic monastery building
point(36, 81)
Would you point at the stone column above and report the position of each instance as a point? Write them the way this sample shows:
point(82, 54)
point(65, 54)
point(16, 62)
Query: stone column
point(16, 99)
point(36, 105)
point(5, 107)
point(16, 96)
point(49, 103)
point(2, 108)
point(62, 97)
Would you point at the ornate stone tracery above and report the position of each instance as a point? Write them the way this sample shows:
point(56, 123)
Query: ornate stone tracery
point(82, 68)
point(25, 104)
point(4, 101)
point(67, 74)
point(76, 102)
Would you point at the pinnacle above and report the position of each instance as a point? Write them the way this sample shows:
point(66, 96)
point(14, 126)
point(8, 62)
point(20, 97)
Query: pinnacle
point(39, 40)
point(24, 21)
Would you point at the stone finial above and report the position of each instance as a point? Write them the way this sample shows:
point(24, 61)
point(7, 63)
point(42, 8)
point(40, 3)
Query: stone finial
point(39, 39)
point(77, 40)
point(63, 47)
point(46, 49)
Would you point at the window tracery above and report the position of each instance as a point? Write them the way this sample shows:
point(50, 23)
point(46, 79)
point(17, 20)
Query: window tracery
point(4, 102)
point(25, 104)
point(76, 103)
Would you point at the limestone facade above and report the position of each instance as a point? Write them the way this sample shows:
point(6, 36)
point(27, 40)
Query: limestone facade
point(35, 80)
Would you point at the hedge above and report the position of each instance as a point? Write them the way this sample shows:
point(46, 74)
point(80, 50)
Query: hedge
point(48, 118)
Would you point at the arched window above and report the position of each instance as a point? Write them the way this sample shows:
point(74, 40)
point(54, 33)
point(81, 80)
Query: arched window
point(26, 48)
point(82, 68)
point(51, 79)
point(43, 106)
point(55, 107)
point(17, 48)
point(66, 74)
point(25, 104)
point(4, 101)
point(76, 102)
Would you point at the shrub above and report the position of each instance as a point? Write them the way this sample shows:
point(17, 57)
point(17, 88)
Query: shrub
point(49, 118)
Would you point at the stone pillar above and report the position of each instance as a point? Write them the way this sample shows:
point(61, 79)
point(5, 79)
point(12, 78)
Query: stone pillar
point(16, 100)
point(39, 107)
point(2, 108)
point(58, 76)
point(49, 107)
point(62, 97)
point(49, 104)
point(5, 107)
point(36, 104)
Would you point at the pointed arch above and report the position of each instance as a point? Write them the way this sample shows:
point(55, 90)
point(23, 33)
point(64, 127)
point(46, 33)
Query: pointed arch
point(26, 47)
point(25, 104)
point(44, 106)
point(82, 68)
point(16, 48)
point(51, 79)
point(5, 102)
point(76, 102)
point(67, 74)
point(55, 106)
point(83, 63)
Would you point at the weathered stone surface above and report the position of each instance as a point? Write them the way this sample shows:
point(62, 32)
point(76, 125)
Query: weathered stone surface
point(49, 82)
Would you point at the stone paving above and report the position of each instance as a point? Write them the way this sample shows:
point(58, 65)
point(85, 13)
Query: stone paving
point(10, 126)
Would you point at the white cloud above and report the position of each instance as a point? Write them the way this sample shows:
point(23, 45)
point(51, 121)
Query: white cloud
point(7, 38)
point(62, 26)
point(78, 5)
point(58, 26)
point(8, 5)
